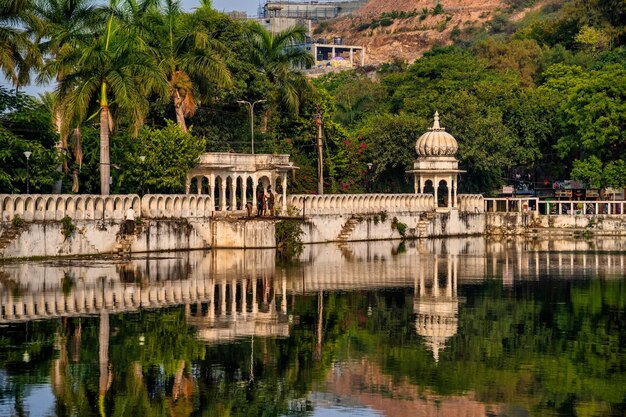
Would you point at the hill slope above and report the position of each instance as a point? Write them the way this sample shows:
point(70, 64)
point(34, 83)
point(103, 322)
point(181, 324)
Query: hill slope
point(405, 29)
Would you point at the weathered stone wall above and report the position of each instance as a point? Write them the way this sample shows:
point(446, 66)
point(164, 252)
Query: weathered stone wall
point(44, 239)
point(378, 226)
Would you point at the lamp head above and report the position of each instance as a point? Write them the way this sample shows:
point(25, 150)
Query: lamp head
point(142, 158)
point(27, 154)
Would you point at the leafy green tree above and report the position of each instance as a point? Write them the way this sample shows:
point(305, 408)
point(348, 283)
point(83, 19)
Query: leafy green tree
point(273, 54)
point(189, 56)
point(18, 54)
point(116, 70)
point(25, 126)
point(169, 154)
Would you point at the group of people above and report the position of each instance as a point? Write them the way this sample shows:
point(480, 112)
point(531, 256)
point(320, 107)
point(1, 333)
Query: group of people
point(264, 203)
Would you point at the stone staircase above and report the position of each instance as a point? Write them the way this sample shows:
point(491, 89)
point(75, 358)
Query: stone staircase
point(422, 224)
point(347, 229)
point(123, 245)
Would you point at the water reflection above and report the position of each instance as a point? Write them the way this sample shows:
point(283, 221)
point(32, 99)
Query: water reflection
point(440, 327)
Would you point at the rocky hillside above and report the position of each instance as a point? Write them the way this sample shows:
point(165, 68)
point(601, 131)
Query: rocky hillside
point(405, 29)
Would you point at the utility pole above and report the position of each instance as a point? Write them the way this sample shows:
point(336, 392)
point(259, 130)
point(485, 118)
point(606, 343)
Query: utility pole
point(320, 158)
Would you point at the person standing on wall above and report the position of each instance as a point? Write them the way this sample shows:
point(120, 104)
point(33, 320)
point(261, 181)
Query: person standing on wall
point(260, 202)
point(129, 223)
point(270, 201)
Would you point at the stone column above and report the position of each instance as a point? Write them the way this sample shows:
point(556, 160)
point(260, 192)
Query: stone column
point(255, 184)
point(284, 192)
point(187, 185)
point(199, 181)
point(436, 188)
point(223, 194)
point(450, 193)
point(233, 193)
point(244, 191)
point(363, 57)
point(211, 187)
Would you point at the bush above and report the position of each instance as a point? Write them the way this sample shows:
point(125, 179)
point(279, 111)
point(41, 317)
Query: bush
point(17, 222)
point(399, 226)
point(386, 22)
point(289, 239)
point(67, 227)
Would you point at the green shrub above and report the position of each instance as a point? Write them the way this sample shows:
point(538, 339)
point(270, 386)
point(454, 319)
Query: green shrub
point(67, 227)
point(17, 222)
point(385, 21)
point(289, 239)
point(399, 226)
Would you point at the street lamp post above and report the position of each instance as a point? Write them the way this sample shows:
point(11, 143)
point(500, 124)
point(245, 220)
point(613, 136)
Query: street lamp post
point(27, 154)
point(251, 111)
point(369, 177)
point(142, 158)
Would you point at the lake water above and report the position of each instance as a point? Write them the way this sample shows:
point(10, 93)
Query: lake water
point(456, 327)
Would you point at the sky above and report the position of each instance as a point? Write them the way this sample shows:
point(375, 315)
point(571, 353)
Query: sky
point(249, 6)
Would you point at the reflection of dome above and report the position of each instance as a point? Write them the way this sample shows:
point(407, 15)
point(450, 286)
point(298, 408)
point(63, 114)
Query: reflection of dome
point(436, 142)
point(436, 321)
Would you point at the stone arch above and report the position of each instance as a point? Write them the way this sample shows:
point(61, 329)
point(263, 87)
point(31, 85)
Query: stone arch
point(89, 208)
point(79, 205)
point(69, 206)
point(49, 208)
point(178, 206)
point(169, 207)
point(184, 209)
point(217, 190)
point(40, 208)
point(193, 207)
point(442, 194)
point(428, 187)
point(7, 208)
point(199, 207)
point(160, 206)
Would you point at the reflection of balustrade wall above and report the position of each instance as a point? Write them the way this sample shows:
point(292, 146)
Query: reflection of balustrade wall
point(42, 290)
point(33, 207)
point(361, 203)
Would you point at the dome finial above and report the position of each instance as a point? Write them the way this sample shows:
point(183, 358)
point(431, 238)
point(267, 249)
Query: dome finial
point(436, 124)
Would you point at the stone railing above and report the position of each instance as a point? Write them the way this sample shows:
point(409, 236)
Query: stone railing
point(360, 203)
point(473, 203)
point(579, 208)
point(34, 207)
point(38, 207)
point(511, 204)
point(166, 206)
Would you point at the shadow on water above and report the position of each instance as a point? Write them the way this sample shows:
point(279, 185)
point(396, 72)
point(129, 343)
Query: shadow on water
point(438, 327)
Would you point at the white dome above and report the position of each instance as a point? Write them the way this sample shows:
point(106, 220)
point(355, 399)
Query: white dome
point(436, 142)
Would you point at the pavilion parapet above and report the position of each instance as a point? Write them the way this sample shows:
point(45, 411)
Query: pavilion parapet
point(360, 203)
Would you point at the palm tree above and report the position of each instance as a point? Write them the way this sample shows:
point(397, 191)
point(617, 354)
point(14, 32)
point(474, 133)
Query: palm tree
point(66, 26)
point(277, 56)
point(116, 70)
point(189, 56)
point(18, 54)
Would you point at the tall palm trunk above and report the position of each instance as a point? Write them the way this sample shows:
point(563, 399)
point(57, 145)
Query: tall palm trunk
point(105, 161)
point(180, 115)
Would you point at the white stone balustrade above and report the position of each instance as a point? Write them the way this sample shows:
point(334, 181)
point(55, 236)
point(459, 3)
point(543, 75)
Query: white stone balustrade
point(360, 203)
point(39, 207)
point(473, 203)
point(176, 206)
point(34, 207)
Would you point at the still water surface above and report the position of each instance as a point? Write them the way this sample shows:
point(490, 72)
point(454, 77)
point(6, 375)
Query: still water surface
point(457, 327)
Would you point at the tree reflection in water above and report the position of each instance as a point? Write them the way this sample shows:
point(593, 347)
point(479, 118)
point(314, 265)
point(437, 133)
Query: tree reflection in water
point(448, 327)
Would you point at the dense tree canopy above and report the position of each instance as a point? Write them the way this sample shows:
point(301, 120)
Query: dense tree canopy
point(544, 94)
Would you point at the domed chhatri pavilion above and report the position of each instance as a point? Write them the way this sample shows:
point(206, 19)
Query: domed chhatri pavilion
point(436, 169)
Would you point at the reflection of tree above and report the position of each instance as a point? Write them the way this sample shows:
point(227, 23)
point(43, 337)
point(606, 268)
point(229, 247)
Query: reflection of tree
point(550, 347)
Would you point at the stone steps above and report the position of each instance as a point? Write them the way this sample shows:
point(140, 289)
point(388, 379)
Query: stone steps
point(122, 247)
point(347, 229)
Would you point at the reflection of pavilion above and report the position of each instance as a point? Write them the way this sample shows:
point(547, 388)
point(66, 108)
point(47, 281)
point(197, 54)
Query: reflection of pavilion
point(241, 308)
point(436, 306)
